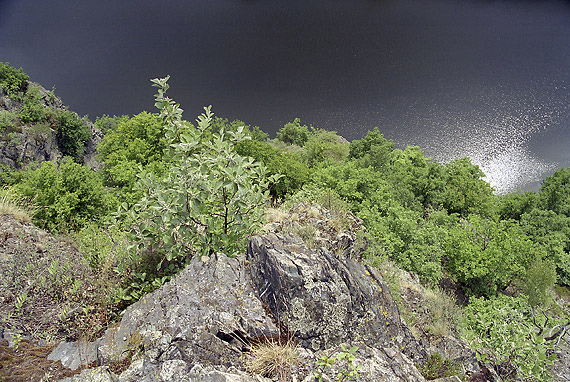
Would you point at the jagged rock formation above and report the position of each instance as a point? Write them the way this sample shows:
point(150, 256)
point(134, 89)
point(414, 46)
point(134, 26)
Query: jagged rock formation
point(325, 299)
point(201, 325)
point(23, 144)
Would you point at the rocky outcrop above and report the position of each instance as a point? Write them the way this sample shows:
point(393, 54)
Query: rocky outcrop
point(325, 299)
point(202, 325)
point(22, 144)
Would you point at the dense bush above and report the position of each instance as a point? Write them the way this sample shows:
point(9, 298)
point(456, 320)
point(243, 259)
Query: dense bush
point(106, 124)
point(487, 255)
point(134, 143)
point(7, 121)
point(33, 108)
point(294, 133)
point(325, 145)
point(219, 124)
point(72, 133)
point(67, 197)
point(551, 232)
point(553, 194)
point(12, 80)
point(294, 172)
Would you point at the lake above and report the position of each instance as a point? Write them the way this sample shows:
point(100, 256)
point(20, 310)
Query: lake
point(488, 79)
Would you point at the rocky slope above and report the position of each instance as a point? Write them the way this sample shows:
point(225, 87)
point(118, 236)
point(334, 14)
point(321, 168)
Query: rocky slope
point(210, 322)
point(25, 143)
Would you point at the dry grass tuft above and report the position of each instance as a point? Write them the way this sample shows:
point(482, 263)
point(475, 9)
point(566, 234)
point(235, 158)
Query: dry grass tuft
point(273, 359)
point(275, 215)
point(445, 314)
point(18, 207)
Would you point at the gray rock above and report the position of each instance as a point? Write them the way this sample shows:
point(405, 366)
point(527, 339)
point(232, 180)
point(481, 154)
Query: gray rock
point(457, 351)
point(98, 374)
point(206, 314)
point(375, 364)
point(201, 325)
point(325, 299)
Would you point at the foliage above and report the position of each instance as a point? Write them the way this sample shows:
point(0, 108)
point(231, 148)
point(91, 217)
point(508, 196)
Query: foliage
point(554, 192)
point(219, 124)
point(538, 282)
point(324, 145)
point(106, 124)
point(67, 198)
point(12, 80)
point(444, 315)
point(209, 201)
point(8, 120)
point(33, 108)
point(135, 143)
point(72, 133)
point(16, 206)
point(514, 205)
point(465, 192)
point(293, 172)
point(551, 233)
point(347, 372)
point(373, 150)
point(353, 183)
point(414, 243)
point(502, 330)
point(294, 133)
point(487, 255)
point(437, 366)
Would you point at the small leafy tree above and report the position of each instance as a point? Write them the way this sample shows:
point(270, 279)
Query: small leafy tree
point(210, 201)
point(72, 133)
point(294, 172)
point(12, 80)
point(486, 255)
point(294, 133)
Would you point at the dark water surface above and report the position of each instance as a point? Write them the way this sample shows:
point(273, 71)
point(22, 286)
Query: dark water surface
point(480, 78)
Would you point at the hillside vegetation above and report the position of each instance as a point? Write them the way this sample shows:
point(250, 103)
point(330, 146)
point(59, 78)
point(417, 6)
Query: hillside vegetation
point(168, 189)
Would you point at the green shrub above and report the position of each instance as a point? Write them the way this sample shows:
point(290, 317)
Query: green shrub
point(437, 366)
point(553, 194)
point(33, 109)
point(12, 80)
point(40, 131)
point(222, 124)
point(374, 150)
point(134, 143)
point(538, 282)
point(72, 133)
point(486, 255)
point(107, 124)
point(67, 198)
point(294, 173)
point(210, 201)
point(294, 133)
point(325, 145)
point(503, 330)
point(7, 121)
